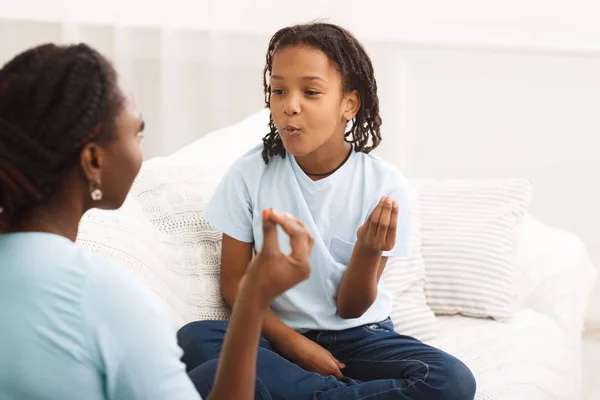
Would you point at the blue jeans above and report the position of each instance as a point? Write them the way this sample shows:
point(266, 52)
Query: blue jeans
point(380, 365)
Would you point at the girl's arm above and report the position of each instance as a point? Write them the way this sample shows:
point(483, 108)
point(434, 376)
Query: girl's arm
point(358, 289)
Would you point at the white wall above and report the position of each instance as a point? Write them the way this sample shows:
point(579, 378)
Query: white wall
point(566, 24)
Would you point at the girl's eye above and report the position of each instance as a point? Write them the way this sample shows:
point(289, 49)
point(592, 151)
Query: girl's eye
point(311, 92)
point(277, 91)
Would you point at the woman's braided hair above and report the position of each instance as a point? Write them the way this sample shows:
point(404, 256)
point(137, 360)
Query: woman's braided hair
point(53, 101)
point(357, 74)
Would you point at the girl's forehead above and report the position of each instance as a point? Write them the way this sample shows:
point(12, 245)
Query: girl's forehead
point(301, 60)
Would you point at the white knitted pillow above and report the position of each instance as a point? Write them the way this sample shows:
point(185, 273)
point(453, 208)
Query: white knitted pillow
point(161, 235)
point(469, 230)
point(404, 280)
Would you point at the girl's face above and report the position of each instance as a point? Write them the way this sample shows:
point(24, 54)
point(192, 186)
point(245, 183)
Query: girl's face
point(308, 104)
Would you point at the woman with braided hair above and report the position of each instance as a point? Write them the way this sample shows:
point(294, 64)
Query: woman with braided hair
point(329, 337)
point(75, 326)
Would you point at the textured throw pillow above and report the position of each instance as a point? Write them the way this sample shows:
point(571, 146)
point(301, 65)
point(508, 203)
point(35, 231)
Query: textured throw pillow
point(221, 148)
point(404, 280)
point(469, 230)
point(161, 235)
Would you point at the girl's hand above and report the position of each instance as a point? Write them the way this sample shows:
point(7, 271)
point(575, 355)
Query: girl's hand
point(311, 356)
point(378, 233)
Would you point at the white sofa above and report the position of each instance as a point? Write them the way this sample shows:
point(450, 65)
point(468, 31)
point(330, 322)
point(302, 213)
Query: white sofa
point(536, 356)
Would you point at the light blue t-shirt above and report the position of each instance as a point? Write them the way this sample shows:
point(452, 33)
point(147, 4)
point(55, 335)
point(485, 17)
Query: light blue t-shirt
point(74, 326)
point(332, 208)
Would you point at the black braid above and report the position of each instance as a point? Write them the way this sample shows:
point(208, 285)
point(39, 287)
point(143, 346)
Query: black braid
point(53, 101)
point(357, 74)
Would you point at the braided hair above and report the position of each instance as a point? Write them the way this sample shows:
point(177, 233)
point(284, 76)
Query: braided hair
point(53, 101)
point(357, 74)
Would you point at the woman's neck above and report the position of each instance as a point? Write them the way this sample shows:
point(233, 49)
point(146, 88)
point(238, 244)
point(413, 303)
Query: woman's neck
point(323, 161)
point(60, 217)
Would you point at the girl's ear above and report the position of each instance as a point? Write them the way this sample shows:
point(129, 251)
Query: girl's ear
point(351, 104)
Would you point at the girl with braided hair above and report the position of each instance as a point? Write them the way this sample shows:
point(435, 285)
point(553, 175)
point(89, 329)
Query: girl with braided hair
point(75, 326)
point(329, 337)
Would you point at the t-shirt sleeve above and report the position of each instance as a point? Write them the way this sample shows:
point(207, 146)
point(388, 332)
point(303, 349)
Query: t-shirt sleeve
point(230, 208)
point(401, 194)
point(134, 341)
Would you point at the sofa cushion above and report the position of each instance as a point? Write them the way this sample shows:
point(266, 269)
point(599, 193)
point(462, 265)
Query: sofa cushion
point(531, 358)
point(469, 230)
point(161, 235)
point(404, 280)
point(555, 274)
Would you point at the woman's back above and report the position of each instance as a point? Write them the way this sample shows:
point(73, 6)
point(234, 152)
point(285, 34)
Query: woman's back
point(67, 319)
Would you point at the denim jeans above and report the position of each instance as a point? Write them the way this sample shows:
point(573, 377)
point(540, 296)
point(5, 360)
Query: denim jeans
point(380, 365)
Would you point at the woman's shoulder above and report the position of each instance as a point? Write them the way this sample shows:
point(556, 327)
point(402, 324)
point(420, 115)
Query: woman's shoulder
point(114, 297)
point(49, 258)
point(64, 280)
point(107, 276)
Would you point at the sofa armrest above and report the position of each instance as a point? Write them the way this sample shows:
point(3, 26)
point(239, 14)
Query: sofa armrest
point(555, 274)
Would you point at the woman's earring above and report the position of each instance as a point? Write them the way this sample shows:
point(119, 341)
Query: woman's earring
point(95, 192)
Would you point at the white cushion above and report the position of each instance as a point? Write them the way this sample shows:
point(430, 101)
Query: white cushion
point(161, 235)
point(555, 274)
point(221, 148)
point(530, 358)
point(404, 280)
point(469, 230)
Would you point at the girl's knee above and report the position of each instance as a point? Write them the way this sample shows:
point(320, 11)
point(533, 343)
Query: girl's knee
point(203, 377)
point(460, 382)
point(208, 330)
point(201, 341)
